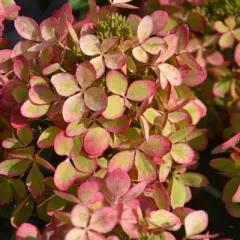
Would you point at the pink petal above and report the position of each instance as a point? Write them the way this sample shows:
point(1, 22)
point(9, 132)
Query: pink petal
point(220, 27)
point(74, 233)
point(28, 231)
point(114, 60)
point(49, 28)
point(182, 153)
point(236, 196)
point(140, 54)
point(22, 68)
point(216, 58)
point(160, 20)
point(63, 144)
point(145, 28)
point(90, 45)
point(171, 73)
point(99, 65)
point(80, 216)
point(237, 54)
point(226, 40)
point(87, 191)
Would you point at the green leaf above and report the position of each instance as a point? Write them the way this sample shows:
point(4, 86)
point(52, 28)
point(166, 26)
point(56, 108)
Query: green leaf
point(178, 194)
point(19, 188)
point(25, 135)
point(192, 179)
point(34, 182)
point(6, 193)
point(230, 189)
point(55, 204)
point(46, 139)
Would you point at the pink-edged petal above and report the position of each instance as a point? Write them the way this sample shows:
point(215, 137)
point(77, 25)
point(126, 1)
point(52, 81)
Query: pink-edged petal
point(196, 21)
point(171, 73)
point(140, 54)
point(145, 28)
point(236, 196)
point(31, 110)
point(77, 128)
point(165, 168)
point(237, 54)
point(41, 95)
point(172, 44)
point(65, 175)
point(190, 61)
point(145, 167)
point(99, 65)
point(90, 45)
point(73, 108)
point(192, 179)
point(103, 219)
point(74, 233)
point(195, 111)
point(84, 163)
point(5, 60)
point(38, 81)
point(135, 191)
point(115, 107)
point(80, 216)
point(161, 196)
point(65, 84)
point(226, 40)
point(182, 153)
point(109, 43)
point(63, 144)
point(236, 34)
point(134, 21)
point(28, 231)
point(216, 58)
point(154, 45)
point(21, 48)
point(140, 90)
point(183, 34)
point(117, 82)
point(27, 28)
point(114, 60)
point(85, 74)
point(196, 222)
point(181, 134)
point(49, 28)
point(22, 68)
point(220, 27)
point(95, 236)
point(157, 146)
point(95, 99)
point(123, 160)
point(87, 191)
point(230, 22)
point(17, 120)
point(195, 78)
point(96, 141)
point(160, 20)
point(220, 89)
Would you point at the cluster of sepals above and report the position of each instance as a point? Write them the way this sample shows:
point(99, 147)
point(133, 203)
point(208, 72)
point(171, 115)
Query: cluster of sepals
point(218, 50)
point(122, 115)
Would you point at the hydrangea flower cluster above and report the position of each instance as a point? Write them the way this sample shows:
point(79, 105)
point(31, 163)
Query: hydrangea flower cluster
point(112, 97)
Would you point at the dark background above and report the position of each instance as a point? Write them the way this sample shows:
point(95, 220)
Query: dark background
point(208, 199)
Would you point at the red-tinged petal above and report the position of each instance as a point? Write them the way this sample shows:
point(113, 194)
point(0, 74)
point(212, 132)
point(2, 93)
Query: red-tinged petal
point(49, 29)
point(117, 82)
point(96, 141)
point(90, 45)
point(129, 223)
point(183, 33)
point(95, 236)
point(109, 43)
point(77, 128)
point(41, 95)
point(65, 84)
point(196, 21)
point(11, 143)
point(103, 219)
point(140, 90)
point(161, 196)
point(171, 73)
point(236, 34)
point(157, 146)
point(195, 78)
point(5, 60)
point(190, 61)
point(80, 216)
point(140, 54)
point(233, 209)
point(87, 191)
point(145, 167)
point(196, 222)
point(73, 108)
point(27, 28)
point(38, 81)
point(17, 119)
point(21, 48)
point(31, 110)
point(99, 65)
point(112, 238)
point(95, 99)
point(196, 112)
point(165, 168)
point(145, 127)
point(114, 60)
point(134, 21)
point(84, 163)
point(160, 20)
point(85, 74)
point(154, 45)
point(118, 182)
point(65, 175)
point(123, 160)
point(216, 58)
point(181, 134)
point(63, 144)
point(22, 68)
point(28, 231)
point(192, 179)
point(226, 40)
point(46, 139)
point(25, 135)
point(145, 28)
point(50, 69)
point(236, 196)
point(75, 233)
point(172, 44)
point(115, 107)
point(220, 27)
point(237, 54)
point(117, 125)
point(182, 153)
